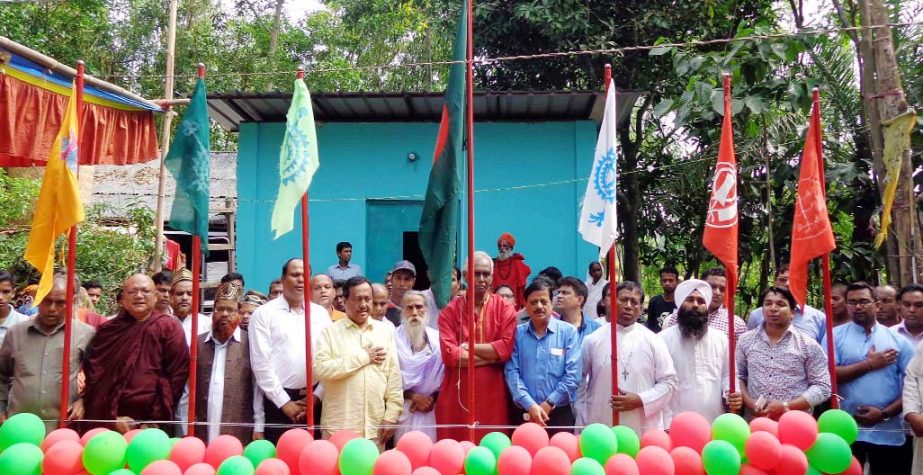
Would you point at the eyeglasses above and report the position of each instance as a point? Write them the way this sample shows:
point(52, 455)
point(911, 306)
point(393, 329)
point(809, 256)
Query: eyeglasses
point(860, 303)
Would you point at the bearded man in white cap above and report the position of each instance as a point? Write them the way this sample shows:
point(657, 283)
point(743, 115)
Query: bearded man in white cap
point(700, 356)
point(717, 313)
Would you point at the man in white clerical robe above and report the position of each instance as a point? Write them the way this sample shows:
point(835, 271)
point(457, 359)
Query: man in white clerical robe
point(646, 378)
point(700, 356)
point(421, 366)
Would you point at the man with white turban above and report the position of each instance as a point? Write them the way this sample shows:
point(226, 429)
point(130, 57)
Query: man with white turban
point(700, 356)
point(717, 312)
point(422, 370)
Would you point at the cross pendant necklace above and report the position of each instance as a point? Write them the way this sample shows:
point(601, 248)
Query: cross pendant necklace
point(625, 374)
point(625, 362)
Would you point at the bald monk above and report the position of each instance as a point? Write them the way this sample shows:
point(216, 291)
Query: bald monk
point(137, 364)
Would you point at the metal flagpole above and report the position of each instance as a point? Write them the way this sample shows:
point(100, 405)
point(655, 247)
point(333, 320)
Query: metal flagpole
point(194, 340)
point(613, 301)
point(469, 113)
point(306, 256)
point(71, 263)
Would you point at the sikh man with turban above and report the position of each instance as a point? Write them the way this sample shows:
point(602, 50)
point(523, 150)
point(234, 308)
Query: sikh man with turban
point(717, 312)
point(510, 269)
point(700, 356)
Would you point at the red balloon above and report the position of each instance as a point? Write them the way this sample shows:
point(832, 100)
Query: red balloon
point(855, 468)
point(550, 461)
point(272, 466)
point(567, 442)
point(426, 471)
point(319, 458)
point(131, 435)
point(657, 437)
point(531, 436)
point(622, 464)
point(200, 469)
point(656, 461)
point(798, 428)
point(91, 433)
point(416, 446)
point(63, 458)
point(467, 445)
point(447, 457)
point(747, 469)
point(392, 462)
point(58, 435)
point(690, 429)
point(187, 452)
point(222, 448)
point(687, 461)
point(514, 460)
point(290, 446)
point(763, 450)
point(764, 424)
point(341, 437)
point(793, 461)
point(162, 467)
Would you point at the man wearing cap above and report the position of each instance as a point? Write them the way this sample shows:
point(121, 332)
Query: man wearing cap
point(181, 302)
point(403, 276)
point(700, 356)
point(226, 395)
point(510, 269)
point(252, 300)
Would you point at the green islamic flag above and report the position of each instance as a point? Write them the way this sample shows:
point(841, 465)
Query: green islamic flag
point(439, 222)
point(298, 160)
point(188, 162)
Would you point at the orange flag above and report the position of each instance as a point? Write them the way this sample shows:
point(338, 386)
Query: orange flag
point(720, 236)
point(812, 235)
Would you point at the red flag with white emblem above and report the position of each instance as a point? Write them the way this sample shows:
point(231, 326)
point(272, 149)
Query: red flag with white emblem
point(720, 236)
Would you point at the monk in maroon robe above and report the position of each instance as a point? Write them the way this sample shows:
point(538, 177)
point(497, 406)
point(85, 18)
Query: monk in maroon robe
point(495, 328)
point(510, 269)
point(137, 364)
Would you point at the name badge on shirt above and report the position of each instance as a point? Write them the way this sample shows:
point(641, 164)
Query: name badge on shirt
point(557, 352)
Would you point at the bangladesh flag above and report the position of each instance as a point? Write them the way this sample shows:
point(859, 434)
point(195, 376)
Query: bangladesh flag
point(439, 223)
point(188, 162)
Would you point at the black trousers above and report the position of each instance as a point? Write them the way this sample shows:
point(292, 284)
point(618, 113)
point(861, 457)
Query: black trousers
point(274, 415)
point(885, 459)
point(560, 416)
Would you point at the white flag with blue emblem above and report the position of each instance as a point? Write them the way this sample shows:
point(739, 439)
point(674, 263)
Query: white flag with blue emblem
point(598, 224)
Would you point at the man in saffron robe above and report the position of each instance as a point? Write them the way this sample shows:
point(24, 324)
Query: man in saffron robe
point(137, 364)
point(495, 329)
point(510, 269)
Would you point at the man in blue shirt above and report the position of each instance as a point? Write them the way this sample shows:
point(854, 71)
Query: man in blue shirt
point(343, 270)
point(543, 373)
point(572, 293)
point(871, 361)
point(808, 319)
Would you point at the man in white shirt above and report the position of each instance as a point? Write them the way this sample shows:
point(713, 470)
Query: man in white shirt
point(8, 315)
point(226, 395)
point(181, 302)
point(646, 375)
point(278, 349)
point(700, 356)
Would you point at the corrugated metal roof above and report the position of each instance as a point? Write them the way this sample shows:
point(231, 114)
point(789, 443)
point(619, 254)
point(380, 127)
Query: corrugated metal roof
point(231, 109)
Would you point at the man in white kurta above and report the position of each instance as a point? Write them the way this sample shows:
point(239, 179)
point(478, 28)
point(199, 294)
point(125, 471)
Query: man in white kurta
point(181, 302)
point(647, 379)
point(421, 366)
point(700, 356)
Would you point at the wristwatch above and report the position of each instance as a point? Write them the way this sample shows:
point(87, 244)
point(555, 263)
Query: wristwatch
point(785, 405)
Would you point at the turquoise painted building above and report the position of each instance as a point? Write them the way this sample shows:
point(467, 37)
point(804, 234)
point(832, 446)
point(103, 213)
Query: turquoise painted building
point(533, 152)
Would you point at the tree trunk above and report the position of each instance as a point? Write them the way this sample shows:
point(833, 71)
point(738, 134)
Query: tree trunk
point(276, 24)
point(630, 209)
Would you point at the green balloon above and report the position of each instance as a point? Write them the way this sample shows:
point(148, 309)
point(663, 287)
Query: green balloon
point(720, 457)
point(146, 447)
point(731, 428)
point(496, 442)
point(480, 461)
point(123, 471)
point(259, 450)
point(236, 465)
point(839, 422)
point(587, 466)
point(830, 453)
point(23, 427)
point(21, 459)
point(627, 439)
point(358, 457)
point(173, 441)
point(105, 453)
point(813, 471)
point(598, 442)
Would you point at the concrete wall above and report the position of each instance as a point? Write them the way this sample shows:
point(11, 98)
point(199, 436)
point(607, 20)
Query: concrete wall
point(533, 176)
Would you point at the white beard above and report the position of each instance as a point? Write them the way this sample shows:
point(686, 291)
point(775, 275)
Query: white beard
point(416, 333)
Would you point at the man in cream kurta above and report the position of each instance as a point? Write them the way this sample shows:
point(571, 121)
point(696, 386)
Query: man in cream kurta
point(646, 375)
point(357, 363)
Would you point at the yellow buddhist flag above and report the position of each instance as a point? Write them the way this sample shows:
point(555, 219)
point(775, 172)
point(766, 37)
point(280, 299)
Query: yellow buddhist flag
point(59, 207)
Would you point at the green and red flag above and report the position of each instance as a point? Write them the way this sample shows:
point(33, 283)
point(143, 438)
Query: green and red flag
point(439, 222)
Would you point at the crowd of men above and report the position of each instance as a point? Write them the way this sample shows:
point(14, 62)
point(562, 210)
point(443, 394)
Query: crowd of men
point(387, 360)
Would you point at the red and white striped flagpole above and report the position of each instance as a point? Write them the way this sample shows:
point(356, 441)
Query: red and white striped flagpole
point(194, 340)
point(306, 256)
point(71, 263)
point(613, 300)
point(469, 114)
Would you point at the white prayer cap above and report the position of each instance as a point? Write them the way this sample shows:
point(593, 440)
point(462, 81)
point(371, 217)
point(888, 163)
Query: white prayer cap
point(686, 287)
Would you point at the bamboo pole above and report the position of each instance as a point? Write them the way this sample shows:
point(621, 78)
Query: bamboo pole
point(165, 136)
